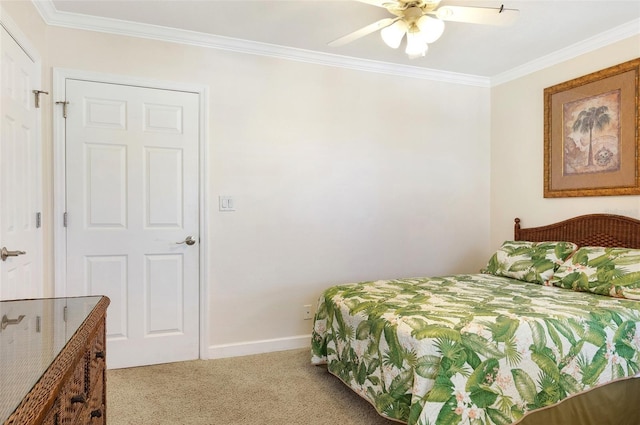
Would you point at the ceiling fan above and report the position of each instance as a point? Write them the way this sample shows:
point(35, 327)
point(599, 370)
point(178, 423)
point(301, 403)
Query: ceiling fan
point(423, 22)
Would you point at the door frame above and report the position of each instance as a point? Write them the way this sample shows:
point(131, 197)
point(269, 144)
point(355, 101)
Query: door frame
point(60, 75)
point(29, 49)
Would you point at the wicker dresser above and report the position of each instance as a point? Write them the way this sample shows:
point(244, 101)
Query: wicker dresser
point(53, 361)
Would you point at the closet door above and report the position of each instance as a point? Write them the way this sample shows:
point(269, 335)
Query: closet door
point(20, 175)
point(132, 216)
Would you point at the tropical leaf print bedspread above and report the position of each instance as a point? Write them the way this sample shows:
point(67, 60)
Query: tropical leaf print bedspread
point(472, 349)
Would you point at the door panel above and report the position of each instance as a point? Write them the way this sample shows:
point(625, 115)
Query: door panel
point(106, 202)
point(163, 276)
point(20, 187)
point(163, 201)
point(132, 196)
point(107, 275)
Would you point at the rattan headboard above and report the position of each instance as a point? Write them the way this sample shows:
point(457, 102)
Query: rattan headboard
point(586, 230)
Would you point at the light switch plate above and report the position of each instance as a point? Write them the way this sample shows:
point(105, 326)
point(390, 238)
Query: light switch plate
point(226, 203)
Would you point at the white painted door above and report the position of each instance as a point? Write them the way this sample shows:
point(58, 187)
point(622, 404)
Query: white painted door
point(132, 197)
point(20, 185)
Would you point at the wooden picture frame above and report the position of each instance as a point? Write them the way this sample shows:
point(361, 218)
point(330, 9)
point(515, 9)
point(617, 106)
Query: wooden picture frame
point(591, 134)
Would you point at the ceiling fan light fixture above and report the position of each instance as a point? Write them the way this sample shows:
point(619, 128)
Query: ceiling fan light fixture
point(423, 22)
point(431, 28)
point(416, 46)
point(393, 34)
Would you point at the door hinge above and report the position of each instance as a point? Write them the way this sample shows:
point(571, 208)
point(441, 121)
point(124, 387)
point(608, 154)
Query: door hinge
point(38, 219)
point(64, 219)
point(64, 107)
point(37, 94)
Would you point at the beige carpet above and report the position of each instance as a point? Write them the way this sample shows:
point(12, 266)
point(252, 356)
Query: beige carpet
point(267, 389)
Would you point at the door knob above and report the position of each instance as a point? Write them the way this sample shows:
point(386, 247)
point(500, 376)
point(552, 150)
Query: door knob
point(188, 240)
point(5, 253)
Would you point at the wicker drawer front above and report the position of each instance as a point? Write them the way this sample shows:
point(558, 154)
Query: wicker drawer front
point(73, 397)
point(96, 411)
point(97, 358)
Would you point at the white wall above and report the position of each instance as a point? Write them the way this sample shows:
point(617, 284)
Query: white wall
point(338, 175)
point(342, 176)
point(517, 147)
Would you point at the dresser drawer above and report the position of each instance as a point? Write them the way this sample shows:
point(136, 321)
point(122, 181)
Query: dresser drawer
point(96, 411)
point(73, 397)
point(97, 358)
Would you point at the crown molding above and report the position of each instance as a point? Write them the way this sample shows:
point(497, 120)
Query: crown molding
point(603, 39)
point(53, 17)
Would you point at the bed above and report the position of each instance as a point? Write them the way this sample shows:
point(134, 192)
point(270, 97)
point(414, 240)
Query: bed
point(547, 333)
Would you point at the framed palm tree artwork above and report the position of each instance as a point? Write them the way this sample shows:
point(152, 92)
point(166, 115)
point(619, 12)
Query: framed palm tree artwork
point(592, 134)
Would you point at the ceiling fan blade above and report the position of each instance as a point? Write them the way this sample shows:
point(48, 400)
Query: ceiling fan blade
point(478, 15)
point(380, 3)
point(382, 23)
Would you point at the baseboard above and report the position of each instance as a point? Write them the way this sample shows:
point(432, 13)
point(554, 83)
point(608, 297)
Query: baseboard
point(258, 347)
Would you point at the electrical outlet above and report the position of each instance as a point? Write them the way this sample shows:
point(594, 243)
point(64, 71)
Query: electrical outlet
point(306, 312)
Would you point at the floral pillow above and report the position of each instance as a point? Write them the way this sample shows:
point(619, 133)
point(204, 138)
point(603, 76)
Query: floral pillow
point(606, 271)
point(533, 262)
